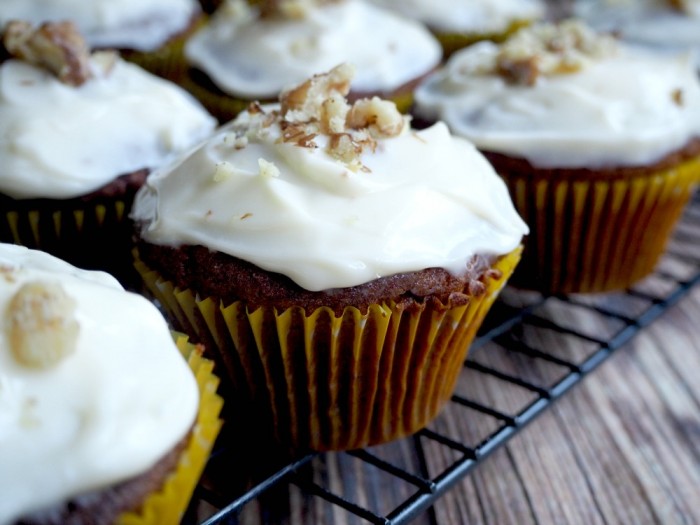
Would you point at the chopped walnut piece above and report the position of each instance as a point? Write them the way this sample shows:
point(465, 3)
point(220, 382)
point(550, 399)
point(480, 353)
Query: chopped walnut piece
point(544, 49)
point(41, 323)
point(56, 46)
point(677, 97)
point(380, 117)
point(305, 101)
point(319, 107)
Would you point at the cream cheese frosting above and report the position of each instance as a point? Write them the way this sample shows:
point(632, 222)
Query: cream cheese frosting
point(608, 105)
point(143, 25)
point(95, 405)
point(411, 201)
point(655, 23)
point(467, 16)
point(62, 141)
point(255, 57)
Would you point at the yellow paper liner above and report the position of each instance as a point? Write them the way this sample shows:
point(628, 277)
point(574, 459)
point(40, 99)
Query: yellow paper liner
point(597, 234)
point(452, 42)
point(328, 382)
point(168, 505)
point(94, 235)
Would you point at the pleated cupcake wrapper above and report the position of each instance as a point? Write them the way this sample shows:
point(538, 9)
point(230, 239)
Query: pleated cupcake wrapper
point(596, 234)
point(452, 42)
point(91, 235)
point(168, 505)
point(328, 382)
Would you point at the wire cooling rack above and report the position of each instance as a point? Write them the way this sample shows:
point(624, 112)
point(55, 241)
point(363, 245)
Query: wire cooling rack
point(536, 348)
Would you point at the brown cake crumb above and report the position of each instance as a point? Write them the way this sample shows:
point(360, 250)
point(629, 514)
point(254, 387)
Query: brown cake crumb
point(56, 46)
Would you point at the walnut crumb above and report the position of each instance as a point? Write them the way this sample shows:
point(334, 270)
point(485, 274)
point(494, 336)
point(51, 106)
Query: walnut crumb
point(41, 323)
point(546, 49)
point(56, 46)
point(319, 106)
point(677, 96)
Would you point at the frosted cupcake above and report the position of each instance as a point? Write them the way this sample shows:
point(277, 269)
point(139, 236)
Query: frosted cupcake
point(599, 144)
point(248, 53)
point(460, 23)
point(148, 32)
point(78, 134)
point(338, 261)
point(101, 420)
point(672, 25)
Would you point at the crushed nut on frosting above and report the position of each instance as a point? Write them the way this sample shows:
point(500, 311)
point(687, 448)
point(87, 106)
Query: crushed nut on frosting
point(545, 49)
point(319, 106)
point(41, 324)
point(56, 46)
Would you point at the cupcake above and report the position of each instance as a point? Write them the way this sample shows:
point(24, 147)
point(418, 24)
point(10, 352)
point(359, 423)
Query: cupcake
point(599, 143)
point(672, 25)
point(148, 32)
point(250, 53)
point(78, 134)
point(101, 420)
point(460, 23)
point(337, 261)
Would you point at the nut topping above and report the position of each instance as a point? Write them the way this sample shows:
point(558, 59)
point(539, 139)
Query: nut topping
point(41, 325)
point(56, 46)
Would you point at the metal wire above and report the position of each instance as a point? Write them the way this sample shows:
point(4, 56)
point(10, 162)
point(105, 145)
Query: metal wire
point(509, 333)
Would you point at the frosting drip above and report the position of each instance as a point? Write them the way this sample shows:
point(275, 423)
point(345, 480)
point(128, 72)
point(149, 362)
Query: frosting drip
point(60, 141)
point(73, 425)
point(623, 106)
point(255, 58)
point(130, 24)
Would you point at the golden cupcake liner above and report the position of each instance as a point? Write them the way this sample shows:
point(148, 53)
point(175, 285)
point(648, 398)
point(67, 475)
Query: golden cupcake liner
point(327, 382)
point(597, 234)
point(168, 505)
point(452, 42)
point(94, 235)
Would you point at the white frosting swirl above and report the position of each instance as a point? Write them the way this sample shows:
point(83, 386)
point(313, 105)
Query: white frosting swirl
point(105, 413)
point(427, 199)
point(60, 141)
point(649, 22)
point(143, 25)
point(255, 58)
point(467, 16)
point(628, 107)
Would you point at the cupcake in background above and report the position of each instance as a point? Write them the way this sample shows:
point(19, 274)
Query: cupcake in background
point(252, 52)
point(102, 419)
point(599, 143)
point(337, 262)
point(150, 33)
point(79, 132)
point(459, 23)
point(671, 25)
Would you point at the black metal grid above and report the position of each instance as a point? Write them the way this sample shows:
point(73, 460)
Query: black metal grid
point(528, 344)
